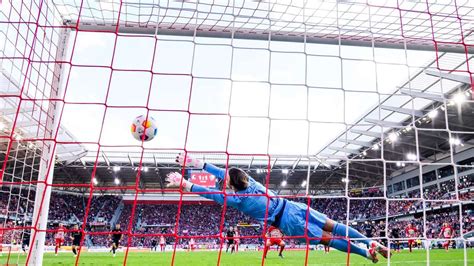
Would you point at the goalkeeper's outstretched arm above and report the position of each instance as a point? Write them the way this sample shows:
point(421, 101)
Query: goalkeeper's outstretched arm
point(187, 161)
point(219, 173)
point(176, 180)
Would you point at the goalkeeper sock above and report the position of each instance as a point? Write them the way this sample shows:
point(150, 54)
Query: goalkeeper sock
point(232, 250)
point(113, 250)
point(340, 230)
point(74, 251)
point(343, 245)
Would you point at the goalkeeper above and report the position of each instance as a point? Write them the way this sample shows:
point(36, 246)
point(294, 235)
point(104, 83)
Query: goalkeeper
point(288, 216)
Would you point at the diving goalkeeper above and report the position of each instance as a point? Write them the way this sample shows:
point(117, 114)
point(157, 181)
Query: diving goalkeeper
point(288, 216)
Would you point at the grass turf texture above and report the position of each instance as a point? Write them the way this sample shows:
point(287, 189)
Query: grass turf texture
point(418, 257)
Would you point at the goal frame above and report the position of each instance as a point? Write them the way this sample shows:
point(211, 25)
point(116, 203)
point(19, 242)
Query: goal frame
point(46, 169)
point(48, 157)
point(340, 40)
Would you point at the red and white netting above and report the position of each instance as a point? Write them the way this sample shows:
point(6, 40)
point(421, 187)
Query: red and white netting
point(326, 102)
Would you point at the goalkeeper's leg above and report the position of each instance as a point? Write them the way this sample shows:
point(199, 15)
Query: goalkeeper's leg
point(296, 221)
point(340, 229)
point(344, 245)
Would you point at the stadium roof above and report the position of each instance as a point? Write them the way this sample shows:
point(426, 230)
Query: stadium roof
point(401, 123)
point(31, 120)
point(325, 22)
point(329, 22)
point(24, 156)
point(411, 125)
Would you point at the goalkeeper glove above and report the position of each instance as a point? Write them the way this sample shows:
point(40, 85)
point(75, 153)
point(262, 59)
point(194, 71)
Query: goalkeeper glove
point(175, 180)
point(190, 161)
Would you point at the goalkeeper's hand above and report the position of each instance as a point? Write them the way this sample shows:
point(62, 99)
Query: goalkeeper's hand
point(175, 180)
point(190, 161)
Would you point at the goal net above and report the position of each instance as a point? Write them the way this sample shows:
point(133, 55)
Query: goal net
point(360, 109)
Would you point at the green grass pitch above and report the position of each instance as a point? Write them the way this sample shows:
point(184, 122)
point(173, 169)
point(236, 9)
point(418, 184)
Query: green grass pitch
point(418, 257)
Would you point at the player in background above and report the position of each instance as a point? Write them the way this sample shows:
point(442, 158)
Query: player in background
point(59, 238)
point(25, 240)
point(236, 239)
point(274, 237)
point(418, 243)
point(230, 240)
point(192, 244)
point(410, 233)
point(1, 240)
point(154, 243)
point(76, 237)
point(116, 236)
point(447, 232)
point(162, 243)
point(326, 249)
point(292, 218)
point(369, 230)
point(396, 242)
point(382, 234)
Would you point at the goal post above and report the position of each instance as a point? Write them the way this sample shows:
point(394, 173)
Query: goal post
point(47, 163)
point(216, 32)
point(32, 49)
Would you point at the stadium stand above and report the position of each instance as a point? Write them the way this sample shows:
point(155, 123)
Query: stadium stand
point(204, 219)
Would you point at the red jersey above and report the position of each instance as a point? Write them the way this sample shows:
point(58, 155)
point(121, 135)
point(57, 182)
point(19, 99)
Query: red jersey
point(162, 241)
point(60, 233)
point(236, 237)
point(274, 232)
point(410, 231)
point(447, 231)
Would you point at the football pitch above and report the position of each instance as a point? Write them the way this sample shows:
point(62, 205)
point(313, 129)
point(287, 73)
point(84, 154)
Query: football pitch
point(418, 257)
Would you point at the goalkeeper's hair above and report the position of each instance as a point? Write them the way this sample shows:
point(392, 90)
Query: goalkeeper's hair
point(238, 179)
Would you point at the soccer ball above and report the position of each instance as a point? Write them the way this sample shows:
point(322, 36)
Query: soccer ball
point(143, 129)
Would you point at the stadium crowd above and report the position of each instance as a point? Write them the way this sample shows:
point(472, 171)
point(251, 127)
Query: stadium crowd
point(205, 221)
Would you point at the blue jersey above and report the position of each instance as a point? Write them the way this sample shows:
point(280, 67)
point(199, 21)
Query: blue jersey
point(253, 205)
point(295, 219)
